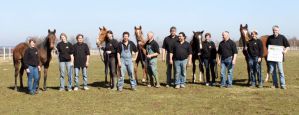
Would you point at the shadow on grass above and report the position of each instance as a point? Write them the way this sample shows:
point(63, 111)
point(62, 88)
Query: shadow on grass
point(22, 90)
point(240, 82)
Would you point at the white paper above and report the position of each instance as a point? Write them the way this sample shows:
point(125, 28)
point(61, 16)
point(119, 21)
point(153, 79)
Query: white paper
point(275, 53)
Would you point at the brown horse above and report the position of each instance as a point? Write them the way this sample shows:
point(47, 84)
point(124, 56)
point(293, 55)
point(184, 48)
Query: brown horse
point(141, 51)
point(196, 44)
point(44, 50)
point(101, 40)
point(245, 37)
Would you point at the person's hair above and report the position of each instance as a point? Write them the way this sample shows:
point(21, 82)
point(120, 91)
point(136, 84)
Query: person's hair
point(109, 32)
point(207, 34)
point(275, 26)
point(63, 34)
point(79, 36)
point(31, 40)
point(255, 32)
point(183, 34)
point(172, 28)
point(126, 33)
point(226, 32)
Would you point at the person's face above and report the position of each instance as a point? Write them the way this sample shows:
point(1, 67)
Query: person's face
point(63, 38)
point(253, 35)
point(173, 32)
point(208, 38)
point(276, 31)
point(110, 36)
point(80, 39)
point(181, 37)
point(150, 36)
point(126, 37)
point(225, 36)
point(32, 44)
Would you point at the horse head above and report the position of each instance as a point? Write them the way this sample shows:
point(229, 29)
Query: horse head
point(51, 38)
point(102, 35)
point(138, 33)
point(197, 38)
point(245, 36)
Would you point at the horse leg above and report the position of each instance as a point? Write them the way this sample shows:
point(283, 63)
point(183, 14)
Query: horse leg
point(136, 72)
point(16, 64)
point(268, 71)
point(45, 78)
point(21, 76)
point(193, 70)
point(248, 70)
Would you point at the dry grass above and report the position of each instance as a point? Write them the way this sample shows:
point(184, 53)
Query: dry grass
point(194, 99)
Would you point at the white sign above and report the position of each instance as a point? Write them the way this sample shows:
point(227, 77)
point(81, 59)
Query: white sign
point(275, 53)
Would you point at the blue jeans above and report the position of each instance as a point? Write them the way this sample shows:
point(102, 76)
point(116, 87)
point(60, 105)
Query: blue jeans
point(180, 75)
point(273, 66)
point(226, 64)
point(33, 74)
point(126, 66)
point(84, 74)
point(69, 68)
point(255, 70)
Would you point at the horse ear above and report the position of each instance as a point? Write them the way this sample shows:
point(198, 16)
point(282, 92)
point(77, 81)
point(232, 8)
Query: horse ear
point(100, 28)
point(140, 27)
point(246, 26)
point(135, 27)
point(54, 31)
point(104, 28)
point(241, 25)
point(193, 32)
point(49, 31)
point(202, 31)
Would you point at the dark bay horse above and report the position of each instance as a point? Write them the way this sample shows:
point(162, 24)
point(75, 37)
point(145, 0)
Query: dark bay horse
point(196, 44)
point(141, 52)
point(101, 40)
point(44, 51)
point(245, 37)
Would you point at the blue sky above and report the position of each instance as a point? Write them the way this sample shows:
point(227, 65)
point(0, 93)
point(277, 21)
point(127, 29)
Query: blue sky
point(23, 18)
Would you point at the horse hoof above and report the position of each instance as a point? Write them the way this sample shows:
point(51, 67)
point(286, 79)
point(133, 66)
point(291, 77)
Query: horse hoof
point(16, 89)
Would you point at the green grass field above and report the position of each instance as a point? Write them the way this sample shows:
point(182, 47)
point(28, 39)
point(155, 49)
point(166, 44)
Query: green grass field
point(194, 99)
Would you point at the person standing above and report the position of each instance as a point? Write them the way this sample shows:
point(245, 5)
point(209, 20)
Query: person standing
point(278, 40)
point(152, 52)
point(66, 60)
point(168, 43)
point(209, 53)
point(255, 51)
point(110, 52)
point(227, 56)
point(125, 55)
point(181, 54)
point(81, 61)
point(31, 63)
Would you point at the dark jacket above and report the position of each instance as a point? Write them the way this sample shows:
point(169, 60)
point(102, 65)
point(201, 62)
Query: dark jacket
point(31, 57)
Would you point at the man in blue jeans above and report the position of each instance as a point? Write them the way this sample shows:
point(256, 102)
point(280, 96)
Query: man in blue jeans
point(181, 54)
point(81, 61)
point(227, 51)
point(278, 40)
point(125, 61)
point(66, 60)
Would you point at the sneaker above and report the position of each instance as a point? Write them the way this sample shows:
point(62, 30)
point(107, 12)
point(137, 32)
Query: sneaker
point(167, 86)
point(69, 90)
point(229, 86)
point(149, 85)
point(158, 86)
point(183, 86)
point(221, 86)
point(213, 84)
point(85, 88)
point(32, 93)
point(177, 86)
point(274, 87)
point(61, 89)
point(143, 80)
point(120, 89)
point(207, 84)
point(76, 89)
point(252, 86)
point(260, 86)
point(134, 88)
